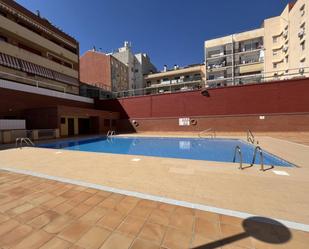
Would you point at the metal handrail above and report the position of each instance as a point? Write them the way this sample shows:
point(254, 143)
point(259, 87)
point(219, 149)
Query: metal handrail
point(110, 133)
point(250, 136)
point(213, 135)
point(258, 148)
point(237, 149)
point(26, 140)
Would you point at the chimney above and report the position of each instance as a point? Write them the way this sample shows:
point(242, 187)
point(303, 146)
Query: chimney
point(38, 13)
point(164, 68)
point(175, 67)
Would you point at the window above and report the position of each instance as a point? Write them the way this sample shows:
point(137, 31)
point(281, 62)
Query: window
point(274, 65)
point(275, 39)
point(62, 120)
point(286, 59)
point(3, 39)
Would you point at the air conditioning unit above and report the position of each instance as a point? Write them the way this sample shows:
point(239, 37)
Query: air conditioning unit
point(285, 48)
point(301, 33)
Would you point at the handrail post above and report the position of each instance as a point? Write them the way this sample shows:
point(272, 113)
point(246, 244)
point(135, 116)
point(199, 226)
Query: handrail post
point(237, 149)
point(258, 148)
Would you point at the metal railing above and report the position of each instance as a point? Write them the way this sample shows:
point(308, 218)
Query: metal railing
point(278, 75)
point(250, 136)
point(161, 89)
point(32, 82)
point(212, 132)
point(20, 140)
point(238, 150)
point(111, 133)
point(258, 149)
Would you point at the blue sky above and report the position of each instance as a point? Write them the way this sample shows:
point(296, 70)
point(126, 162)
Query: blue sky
point(170, 31)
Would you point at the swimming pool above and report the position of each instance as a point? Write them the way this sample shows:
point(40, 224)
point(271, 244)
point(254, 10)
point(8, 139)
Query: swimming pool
point(221, 150)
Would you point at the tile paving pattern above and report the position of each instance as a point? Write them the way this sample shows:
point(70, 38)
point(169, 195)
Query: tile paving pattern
point(40, 213)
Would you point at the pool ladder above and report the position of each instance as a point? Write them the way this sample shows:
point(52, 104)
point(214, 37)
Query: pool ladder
point(111, 133)
point(256, 150)
point(251, 137)
point(20, 140)
point(212, 132)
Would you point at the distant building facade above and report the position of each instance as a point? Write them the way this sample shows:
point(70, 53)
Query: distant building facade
point(35, 52)
point(104, 71)
point(277, 50)
point(138, 65)
point(177, 79)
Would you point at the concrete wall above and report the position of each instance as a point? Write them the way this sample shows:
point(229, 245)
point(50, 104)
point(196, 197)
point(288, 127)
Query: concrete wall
point(284, 104)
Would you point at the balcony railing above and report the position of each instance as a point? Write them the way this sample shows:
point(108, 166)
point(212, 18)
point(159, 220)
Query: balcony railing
point(296, 73)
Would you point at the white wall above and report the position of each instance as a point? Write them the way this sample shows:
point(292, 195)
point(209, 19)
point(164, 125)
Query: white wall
point(12, 124)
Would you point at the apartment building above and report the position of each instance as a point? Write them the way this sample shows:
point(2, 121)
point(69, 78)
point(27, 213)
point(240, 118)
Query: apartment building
point(104, 71)
point(176, 79)
point(138, 65)
point(35, 52)
point(277, 50)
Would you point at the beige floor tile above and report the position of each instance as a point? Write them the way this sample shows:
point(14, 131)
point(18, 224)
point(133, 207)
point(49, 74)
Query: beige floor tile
point(43, 219)
point(202, 242)
point(20, 209)
point(159, 216)
point(79, 210)
point(144, 244)
point(176, 239)
point(54, 202)
point(152, 232)
point(30, 214)
point(94, 238)
point(166, 207)
point(143, 212)
point(147, 203)
point(109, 203)
point(231, 231)
point(131, 225)
point(56, 243)
point(94, 215)
point(111, 220)
point(94, 200)
point(182, 222)
point(3, 217)
point(213, 217)
point(63, 207)
point(207, 228)
point(14, 236)
point(117, 241)
point(58, 224)
point(74, 231)
point(34, 241)
point(7, 226)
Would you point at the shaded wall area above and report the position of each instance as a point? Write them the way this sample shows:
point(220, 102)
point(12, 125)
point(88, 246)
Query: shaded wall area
point(276, 106)
point(13, 103)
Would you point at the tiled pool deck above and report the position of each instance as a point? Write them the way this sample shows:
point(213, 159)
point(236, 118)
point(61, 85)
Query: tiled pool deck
point(100, 218)
point(40, 213)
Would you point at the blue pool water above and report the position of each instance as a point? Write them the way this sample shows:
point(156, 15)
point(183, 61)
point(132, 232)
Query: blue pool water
point(221, 150)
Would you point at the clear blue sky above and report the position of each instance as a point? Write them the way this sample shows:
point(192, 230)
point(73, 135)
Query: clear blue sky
point(170, 31)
